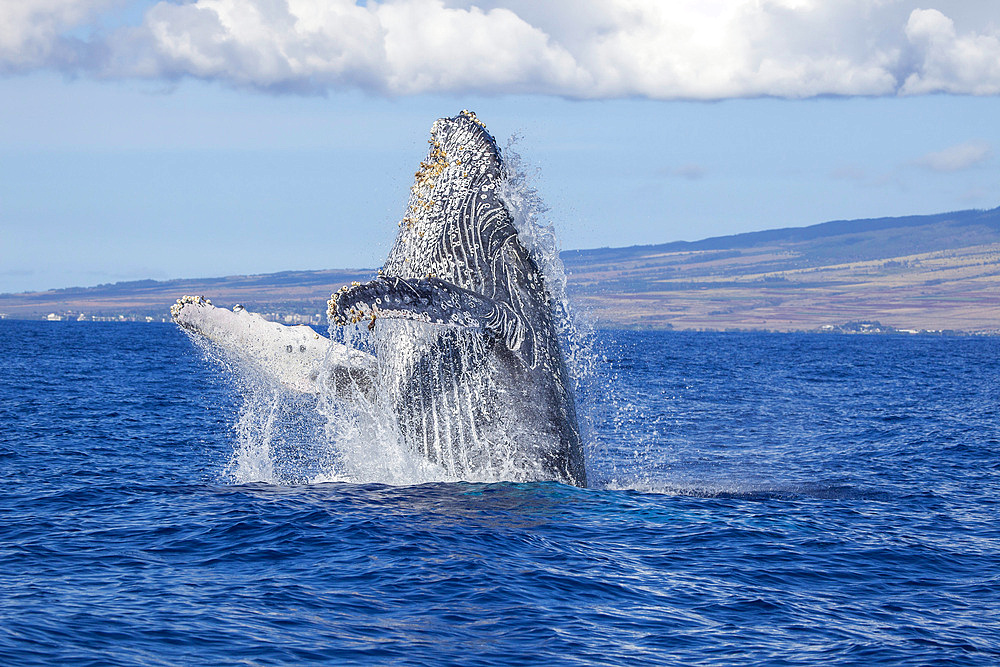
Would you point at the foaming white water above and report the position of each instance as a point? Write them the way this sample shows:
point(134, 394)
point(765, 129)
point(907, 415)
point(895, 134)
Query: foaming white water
point(252, 459)
point(278, 437)
point(431, 414)
point(275, 432)
point(285, 437)
point(362, 425)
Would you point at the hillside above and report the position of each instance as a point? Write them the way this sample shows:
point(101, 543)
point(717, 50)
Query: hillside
point(920, 272)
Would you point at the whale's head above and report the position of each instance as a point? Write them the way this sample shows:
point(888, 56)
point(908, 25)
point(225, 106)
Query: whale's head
point(457, 258)
point(456, 226)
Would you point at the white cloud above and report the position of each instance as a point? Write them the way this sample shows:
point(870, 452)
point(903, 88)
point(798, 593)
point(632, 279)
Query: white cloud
point(33, 32)
point(688, 49)
point(956, 158)
point(950, 62)
point(396, 48)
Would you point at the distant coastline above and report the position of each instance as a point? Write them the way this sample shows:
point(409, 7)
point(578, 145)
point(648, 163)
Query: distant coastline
point(934, 274)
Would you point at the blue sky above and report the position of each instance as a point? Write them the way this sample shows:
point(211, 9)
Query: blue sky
point(194, 139)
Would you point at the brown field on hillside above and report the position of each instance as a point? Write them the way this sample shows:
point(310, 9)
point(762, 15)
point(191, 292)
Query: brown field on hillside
point(953, 289)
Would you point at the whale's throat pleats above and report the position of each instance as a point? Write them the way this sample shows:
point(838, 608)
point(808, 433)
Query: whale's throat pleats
point(451, 396)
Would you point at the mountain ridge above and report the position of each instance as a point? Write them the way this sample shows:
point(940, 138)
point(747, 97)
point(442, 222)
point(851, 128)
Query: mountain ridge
point(937, 271)
point(988, 217)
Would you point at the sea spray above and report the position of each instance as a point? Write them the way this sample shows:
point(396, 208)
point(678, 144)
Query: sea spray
point(434, 393)
point(431, 414)
point(431, 411)
point(573, 324)
point(361, 425)
point(537, 234)
point(277, 434)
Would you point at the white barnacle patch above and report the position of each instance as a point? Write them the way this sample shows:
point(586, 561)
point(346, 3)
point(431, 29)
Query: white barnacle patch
point(178, 307)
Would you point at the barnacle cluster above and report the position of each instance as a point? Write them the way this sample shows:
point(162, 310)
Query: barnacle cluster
point(332, 312)
point(424, 181)
point(471, 115)
point(175, 310)
point(354, 314)
point(429, 170)
point(426, 178)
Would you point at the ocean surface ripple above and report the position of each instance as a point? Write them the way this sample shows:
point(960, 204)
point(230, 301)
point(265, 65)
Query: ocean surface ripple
point(758, 499)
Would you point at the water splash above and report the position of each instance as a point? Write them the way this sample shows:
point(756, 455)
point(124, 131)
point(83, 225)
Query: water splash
point(537, 234)
point(442, 421)
point(277, 435)
point(575, 328)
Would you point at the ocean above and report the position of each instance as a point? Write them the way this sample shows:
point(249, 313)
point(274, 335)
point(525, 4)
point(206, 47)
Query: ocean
point(755, 499)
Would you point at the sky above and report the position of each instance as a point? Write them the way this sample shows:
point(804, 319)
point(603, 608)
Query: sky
point(183, 139)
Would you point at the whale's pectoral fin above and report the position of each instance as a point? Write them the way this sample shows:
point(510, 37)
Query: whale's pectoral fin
point(294, 356)
point(436, 301)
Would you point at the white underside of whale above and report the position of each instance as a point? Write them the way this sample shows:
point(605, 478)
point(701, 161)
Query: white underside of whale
point(297, 357)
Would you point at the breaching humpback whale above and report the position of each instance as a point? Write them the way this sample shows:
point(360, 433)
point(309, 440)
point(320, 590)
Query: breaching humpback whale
point(469, 357)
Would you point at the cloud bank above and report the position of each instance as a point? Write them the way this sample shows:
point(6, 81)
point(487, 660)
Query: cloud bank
point(585, 49)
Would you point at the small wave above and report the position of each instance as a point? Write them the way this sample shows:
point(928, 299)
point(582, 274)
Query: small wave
point(751, 491)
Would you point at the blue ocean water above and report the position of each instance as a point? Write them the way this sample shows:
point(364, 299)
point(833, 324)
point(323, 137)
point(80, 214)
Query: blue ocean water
point(757, 499)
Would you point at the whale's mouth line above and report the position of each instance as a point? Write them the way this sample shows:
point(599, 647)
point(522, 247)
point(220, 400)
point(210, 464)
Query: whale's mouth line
point(452, 356)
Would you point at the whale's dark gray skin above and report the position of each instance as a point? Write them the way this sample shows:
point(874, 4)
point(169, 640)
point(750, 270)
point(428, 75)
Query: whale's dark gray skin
point(494, 376)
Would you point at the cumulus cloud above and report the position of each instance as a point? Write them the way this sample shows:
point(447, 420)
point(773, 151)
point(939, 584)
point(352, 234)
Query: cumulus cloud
point(682, 49)
point(398, 47)
point(951, 62)
point(956, 158)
